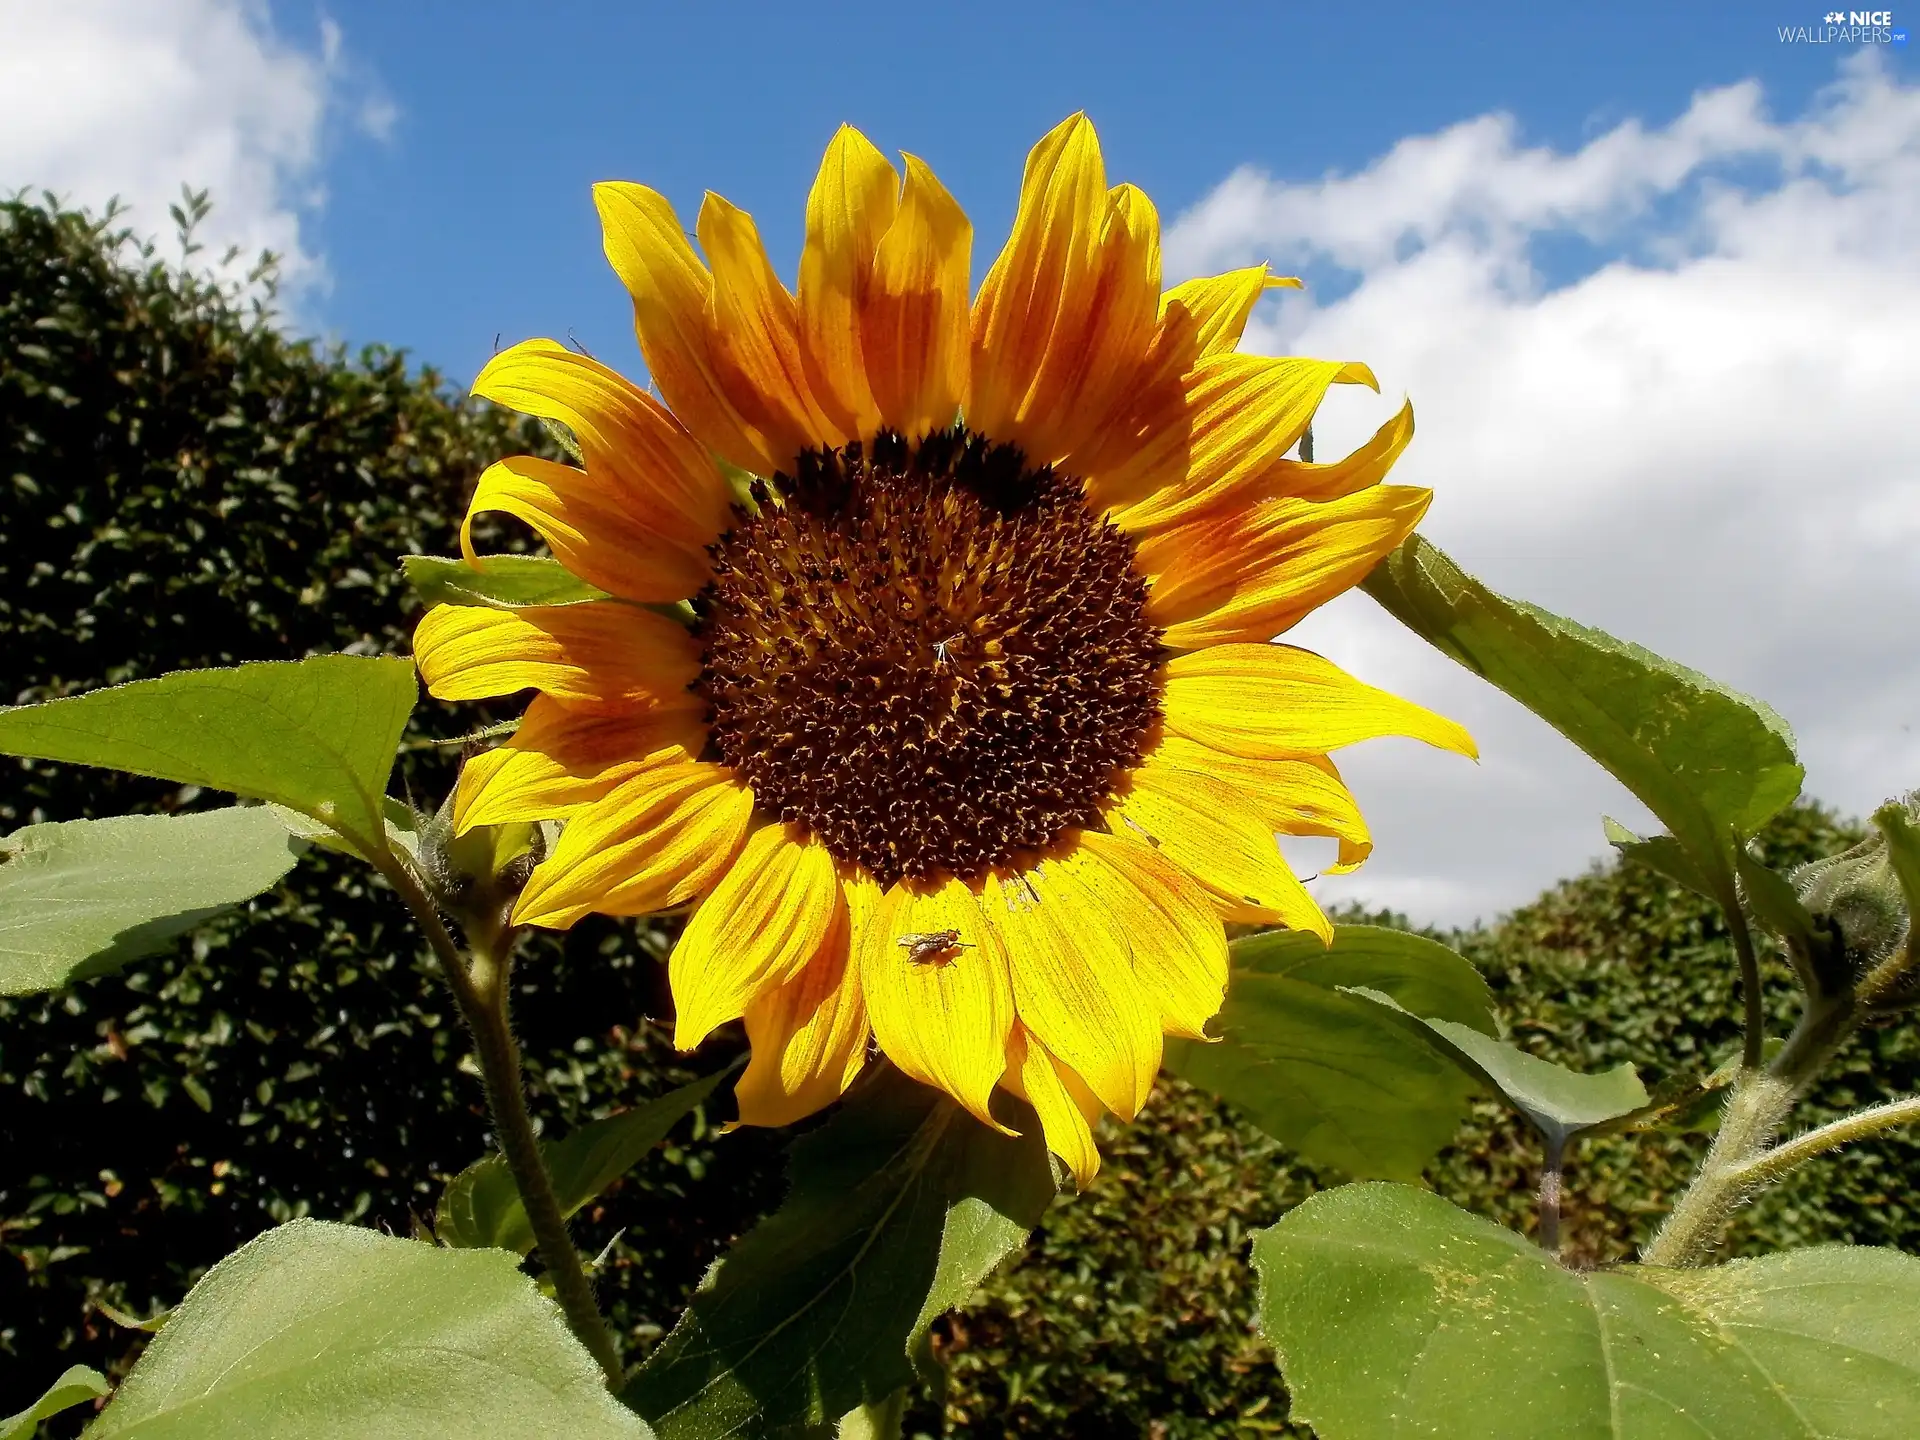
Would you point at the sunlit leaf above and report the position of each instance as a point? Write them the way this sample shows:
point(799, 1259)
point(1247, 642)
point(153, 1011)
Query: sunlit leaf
point(1397, 1314)
point(315, 735)
point(898, 1209)
point(317, 1331)
point(1325, 1071)
point(77, 1386)
point(481, 1206)
point(1557, 1100)
point(84, 897)
point(1713, 764)
point(503, 582)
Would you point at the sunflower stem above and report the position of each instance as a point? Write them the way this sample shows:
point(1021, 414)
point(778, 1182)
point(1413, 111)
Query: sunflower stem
point(480, 990)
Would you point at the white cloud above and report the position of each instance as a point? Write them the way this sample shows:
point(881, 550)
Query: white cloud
point(133, 98)
point(1704, 442)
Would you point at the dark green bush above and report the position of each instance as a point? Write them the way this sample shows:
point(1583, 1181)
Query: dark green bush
point(184, 485)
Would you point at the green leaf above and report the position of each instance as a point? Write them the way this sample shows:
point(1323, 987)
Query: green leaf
point(1659, 853)
point(1775, 903)
point(1713, 764)
point(317, 735)
point(507, 582)
point(480, 1205)
point(1396, 1314)
point(317, 1331)
point(84, 897)
point(76, 1387)
point(1559, 1101)
point(1327, 1072)
point(1895, 823)
point(898, 1209)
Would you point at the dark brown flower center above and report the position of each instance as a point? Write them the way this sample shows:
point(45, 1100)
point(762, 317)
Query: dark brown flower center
point(932, 656)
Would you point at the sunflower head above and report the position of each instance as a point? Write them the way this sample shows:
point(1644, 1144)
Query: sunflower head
point(977, 739)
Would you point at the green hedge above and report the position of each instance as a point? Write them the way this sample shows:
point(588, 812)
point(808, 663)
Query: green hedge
point(184, 485)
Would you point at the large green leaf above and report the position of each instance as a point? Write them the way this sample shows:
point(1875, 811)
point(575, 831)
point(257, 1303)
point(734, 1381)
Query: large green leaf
point(76, 1386)
point(1713, 764)
point(317, 1331)
point(84, 897)
point(1560, 1102)
point(899, 1208)
point(502, 582)
point(316, 735)
point(1395, 1314)
point(481, 1205)
point(1327, 1072)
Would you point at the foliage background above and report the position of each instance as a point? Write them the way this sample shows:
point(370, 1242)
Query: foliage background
point(181, 484)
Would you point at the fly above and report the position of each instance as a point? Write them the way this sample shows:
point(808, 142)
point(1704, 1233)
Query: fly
point(933, 947)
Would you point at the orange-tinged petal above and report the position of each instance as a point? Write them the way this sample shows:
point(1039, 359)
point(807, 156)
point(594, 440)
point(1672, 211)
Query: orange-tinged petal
point(639, 457)
point(1178, 943)
point(1035, 300)
point(1066, 1108)
point(1073, 983)
point(1089, 375)
point(851, 206)
point(589, 529)
point(603, 654)
point(913, 321)
point(1241, 415)
point(758, 928)
point(1249, 574)
point(654, 843)
point(560, 761)
point(757, 335)
point(673, 317)
point(1210, 314)
point(808, 1037)
point(943, 1020)
point(1301, 796)
point(1204, 825)
point(1275, 701)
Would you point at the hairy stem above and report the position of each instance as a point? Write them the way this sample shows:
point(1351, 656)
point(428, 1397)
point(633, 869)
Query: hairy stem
point(1550, 1174)
point(1754, 1112)
point(480, 990)
point(1774, 1163)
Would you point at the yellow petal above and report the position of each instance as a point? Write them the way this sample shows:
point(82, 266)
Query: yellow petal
point(760, 926)
point(1274, 701)
point(1210, 314)
point(1092, 368)
point(809, 1038)
point(1066, 1108)
point(1303, 796)
point(942, 1020)
point(588, 528)
point(672, 315)
point(757, 333)
point(1364, 467)
point(640, 460)
point(849, 209)
point(600, 655)
point(1073, 983)
point(656, 842)
point(913, 322)
point(1249, 574)
point(1204, 825)
point(1178, 943)
point(559, 761)
point(1035, 300)
point(1242, 413)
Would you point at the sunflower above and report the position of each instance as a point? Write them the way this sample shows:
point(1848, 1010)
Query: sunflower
point(969, 739)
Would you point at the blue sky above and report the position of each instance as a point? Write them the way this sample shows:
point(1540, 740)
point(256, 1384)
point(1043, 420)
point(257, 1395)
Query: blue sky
point(472, 216)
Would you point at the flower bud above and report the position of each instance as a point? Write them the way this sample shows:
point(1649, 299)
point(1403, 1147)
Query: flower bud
point(1857, 900)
